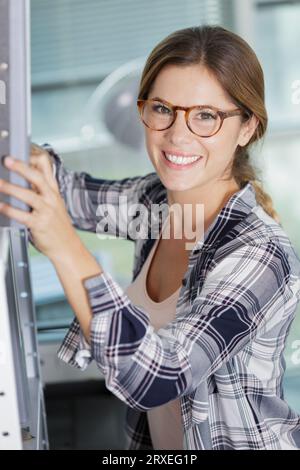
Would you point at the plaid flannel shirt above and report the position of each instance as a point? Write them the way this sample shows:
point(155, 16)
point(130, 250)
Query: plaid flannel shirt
point(223, 353)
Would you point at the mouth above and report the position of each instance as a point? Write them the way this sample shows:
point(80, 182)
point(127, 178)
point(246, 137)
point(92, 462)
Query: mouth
point(181, 163)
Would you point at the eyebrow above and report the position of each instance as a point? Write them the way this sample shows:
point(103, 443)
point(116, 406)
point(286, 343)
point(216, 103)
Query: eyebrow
point(157, 98)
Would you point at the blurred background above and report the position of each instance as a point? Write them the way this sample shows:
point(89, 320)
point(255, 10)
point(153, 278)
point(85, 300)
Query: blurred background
point(86, 60)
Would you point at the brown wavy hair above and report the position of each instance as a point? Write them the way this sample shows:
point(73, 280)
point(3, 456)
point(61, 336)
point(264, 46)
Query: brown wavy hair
point(235, 65)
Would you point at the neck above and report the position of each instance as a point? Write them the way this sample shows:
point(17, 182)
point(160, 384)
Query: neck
point(196, 209)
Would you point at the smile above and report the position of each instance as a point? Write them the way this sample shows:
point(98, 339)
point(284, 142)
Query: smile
point(178, 162)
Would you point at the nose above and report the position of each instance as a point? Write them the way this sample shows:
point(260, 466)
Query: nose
point(179, 132)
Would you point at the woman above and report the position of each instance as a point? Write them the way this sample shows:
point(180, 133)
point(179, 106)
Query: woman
point(195, 345)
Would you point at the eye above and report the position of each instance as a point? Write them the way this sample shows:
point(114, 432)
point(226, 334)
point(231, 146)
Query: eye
point(206, 116)
point(161, 109)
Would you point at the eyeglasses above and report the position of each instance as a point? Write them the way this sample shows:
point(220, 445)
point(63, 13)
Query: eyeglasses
point(204, 121)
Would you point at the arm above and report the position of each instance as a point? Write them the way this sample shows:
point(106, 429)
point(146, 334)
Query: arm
point(145, 368)
point(72, 266)
point(87, 199)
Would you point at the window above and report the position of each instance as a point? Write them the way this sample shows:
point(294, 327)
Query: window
point(76, 44)
point(277, 46)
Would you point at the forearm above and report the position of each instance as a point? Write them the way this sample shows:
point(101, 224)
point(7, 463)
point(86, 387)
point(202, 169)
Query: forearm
point(73, 266)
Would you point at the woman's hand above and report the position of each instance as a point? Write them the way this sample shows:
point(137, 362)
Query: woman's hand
point(48, 221)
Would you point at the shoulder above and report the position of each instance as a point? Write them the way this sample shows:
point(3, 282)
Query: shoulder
point(151, 189)
point(259, 230)
point(146, 187)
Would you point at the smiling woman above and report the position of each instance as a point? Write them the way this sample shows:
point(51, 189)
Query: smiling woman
point(194, 346)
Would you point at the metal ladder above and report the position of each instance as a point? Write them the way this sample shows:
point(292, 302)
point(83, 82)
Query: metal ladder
point(22, 411)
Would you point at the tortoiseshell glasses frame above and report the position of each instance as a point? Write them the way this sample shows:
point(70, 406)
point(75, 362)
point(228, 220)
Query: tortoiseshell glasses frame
point(221, 114)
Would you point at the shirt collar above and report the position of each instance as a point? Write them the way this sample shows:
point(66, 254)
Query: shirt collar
point(239, 205)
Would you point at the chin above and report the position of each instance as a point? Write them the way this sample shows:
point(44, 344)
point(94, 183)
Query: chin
point(176, 185)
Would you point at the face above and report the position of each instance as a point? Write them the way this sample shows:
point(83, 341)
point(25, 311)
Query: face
point(189, 86)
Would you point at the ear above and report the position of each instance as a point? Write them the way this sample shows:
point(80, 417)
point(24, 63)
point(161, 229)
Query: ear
point(247, 130)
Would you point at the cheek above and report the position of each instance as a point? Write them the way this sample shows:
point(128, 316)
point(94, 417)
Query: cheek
point(221, 147)
point(149, 140)
point(149, 148)
point(153, 142)
point(153, 137)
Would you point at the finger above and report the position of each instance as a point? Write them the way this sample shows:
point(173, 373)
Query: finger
point(35, 149)
point(30, 174)
point(17, 214)
point(26, 195)
point(42, 163)
point(41, 159)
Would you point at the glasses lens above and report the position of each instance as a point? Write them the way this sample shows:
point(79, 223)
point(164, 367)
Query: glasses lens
point(204, 121)
point(157, 115)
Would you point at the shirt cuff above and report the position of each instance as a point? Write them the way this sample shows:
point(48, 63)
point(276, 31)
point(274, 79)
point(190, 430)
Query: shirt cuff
point(55, 158)
point(105, 297)
point(83, 356)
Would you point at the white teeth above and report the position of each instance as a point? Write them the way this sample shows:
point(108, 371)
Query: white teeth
point(181, 160)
